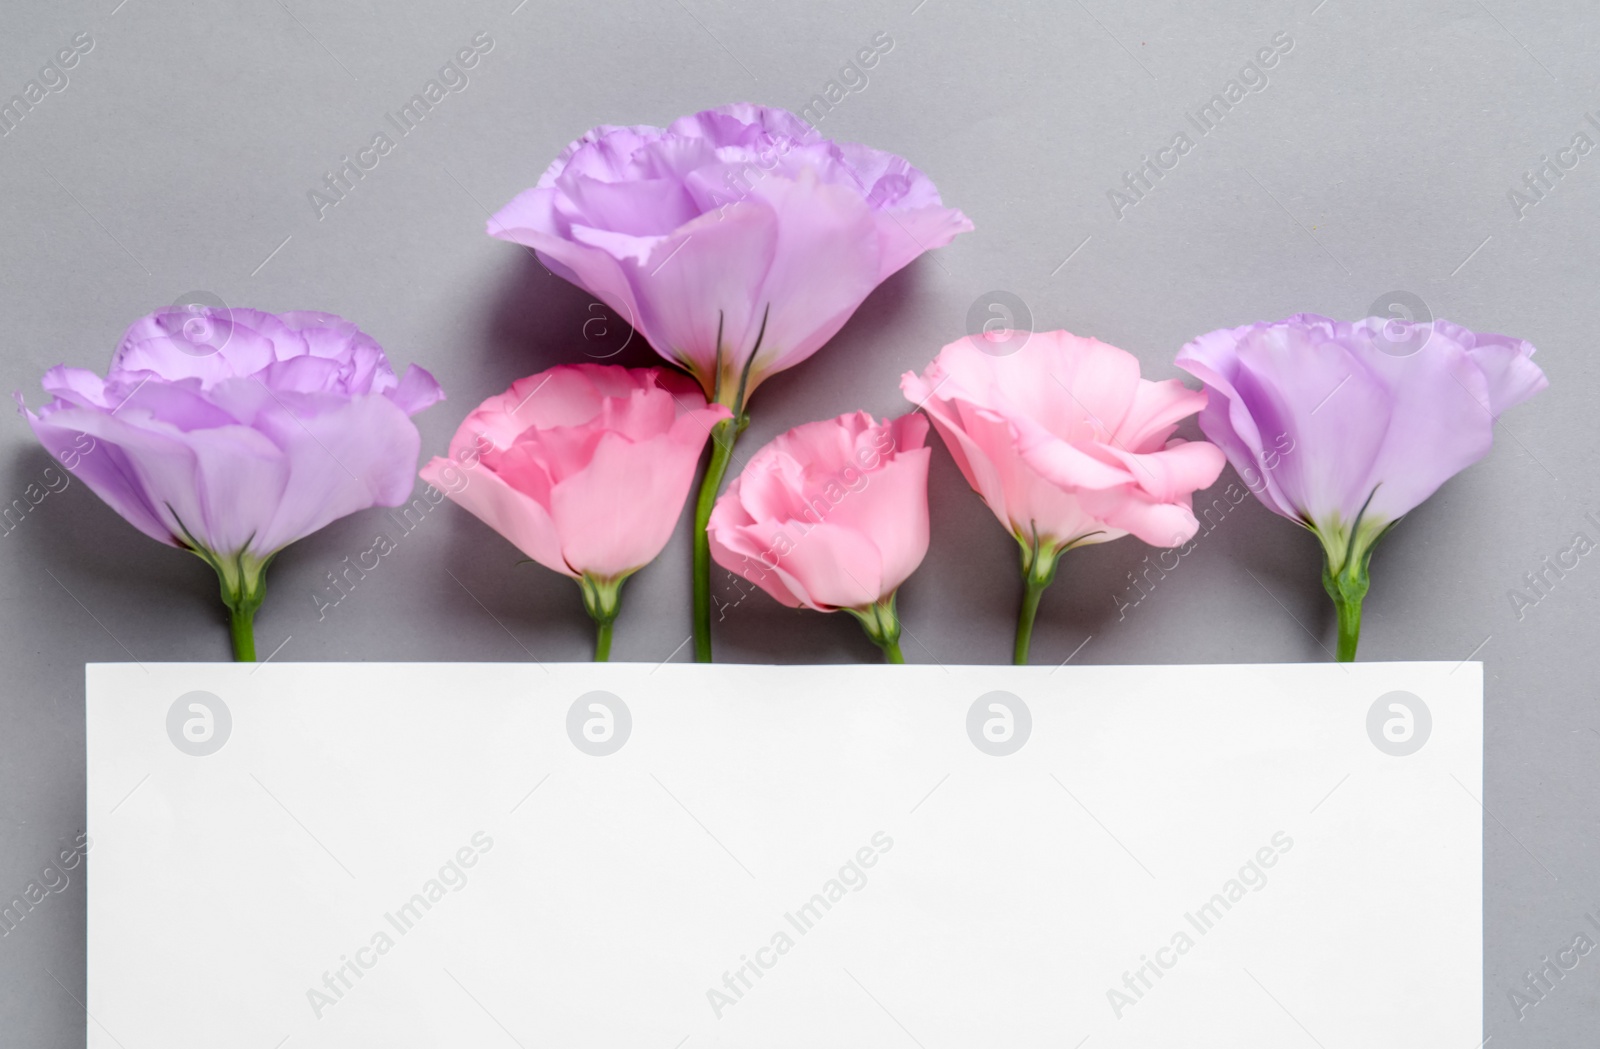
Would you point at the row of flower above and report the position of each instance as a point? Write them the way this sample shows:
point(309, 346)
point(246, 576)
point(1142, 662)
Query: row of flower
point(738, 242)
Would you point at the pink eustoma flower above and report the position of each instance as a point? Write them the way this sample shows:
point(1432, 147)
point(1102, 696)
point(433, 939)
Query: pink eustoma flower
point(736, 241)
point(1067, 445)
point(232, 433)
point(585, 469)
point(832, 515)
point(1346, 427)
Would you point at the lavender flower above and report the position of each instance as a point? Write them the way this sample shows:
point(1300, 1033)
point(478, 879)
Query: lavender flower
point(231, 433)
point(1375, 416)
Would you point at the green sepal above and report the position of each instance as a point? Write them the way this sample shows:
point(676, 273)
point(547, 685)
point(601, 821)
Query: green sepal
point(882, 625)
point(1346, 576)
point(242, 577)
point(602, 599)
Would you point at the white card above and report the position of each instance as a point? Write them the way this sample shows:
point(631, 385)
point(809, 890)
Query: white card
point(392, 855)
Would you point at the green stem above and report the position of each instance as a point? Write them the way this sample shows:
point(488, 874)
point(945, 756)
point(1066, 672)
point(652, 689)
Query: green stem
point(1347, 585)
point(1346, 576)
point(892, 652)
point(243, 581)
point(1038, 572)
point(602, 642)
point(723, 434)
point(730, 387)
point(1349, 628)
point(1030, 611)
point(242, 625)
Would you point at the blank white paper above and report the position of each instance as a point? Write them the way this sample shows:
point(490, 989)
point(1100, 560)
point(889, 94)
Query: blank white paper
point(393, 855)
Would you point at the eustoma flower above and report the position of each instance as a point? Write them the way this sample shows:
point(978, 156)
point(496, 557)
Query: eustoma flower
point(1067, 445)
point(832, 515)
point(584, 468)
point(737, 241)
point(1377, 414)
point(232, 433)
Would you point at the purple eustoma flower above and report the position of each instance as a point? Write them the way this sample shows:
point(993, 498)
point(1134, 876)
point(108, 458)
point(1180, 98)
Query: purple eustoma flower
point(1346, 427)
point(232, 433)
point(736, 241)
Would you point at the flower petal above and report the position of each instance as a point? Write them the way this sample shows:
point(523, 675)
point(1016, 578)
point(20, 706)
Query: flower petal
point(104, 469)
point(517, 517)
point(343, 455)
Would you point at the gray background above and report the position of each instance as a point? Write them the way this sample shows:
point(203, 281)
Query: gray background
point(1378, 159)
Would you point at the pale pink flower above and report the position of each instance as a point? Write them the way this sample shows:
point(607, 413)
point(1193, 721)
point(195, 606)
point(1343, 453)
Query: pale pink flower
point(832, 515)
point(1067, 444)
